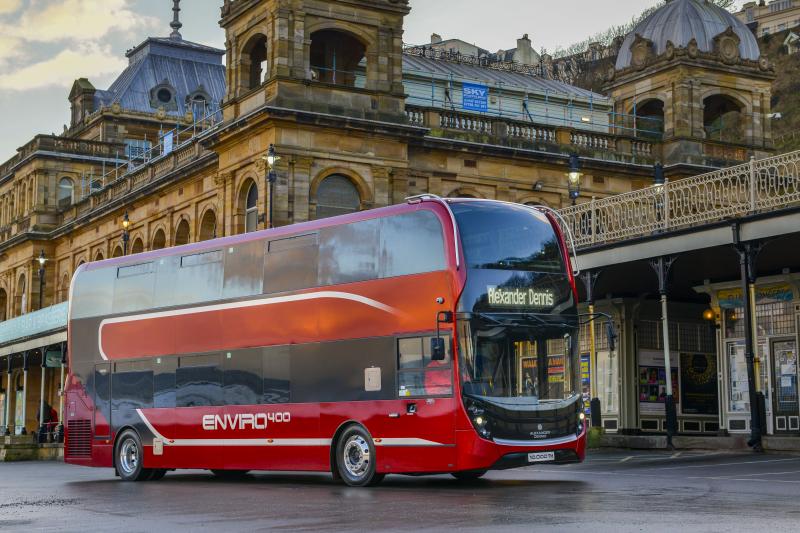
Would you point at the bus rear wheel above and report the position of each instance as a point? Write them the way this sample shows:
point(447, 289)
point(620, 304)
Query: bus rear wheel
point(355, 458)
point(129, 458)
point(468, 476)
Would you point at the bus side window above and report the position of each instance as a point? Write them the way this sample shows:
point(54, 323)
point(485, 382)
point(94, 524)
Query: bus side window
point(291, 264)
point(164, 382)
point(349, 253)
point(244, 270)
point(199, 278)
point(412, 243)
point(132, 385)
point(198, 381)
point(243, 383)
point(277, 377)
point(419, 375)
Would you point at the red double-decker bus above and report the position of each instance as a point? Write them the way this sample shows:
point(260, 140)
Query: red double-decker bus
point(431, 337)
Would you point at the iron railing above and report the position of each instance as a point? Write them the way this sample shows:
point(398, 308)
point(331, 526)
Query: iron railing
point(754, 187)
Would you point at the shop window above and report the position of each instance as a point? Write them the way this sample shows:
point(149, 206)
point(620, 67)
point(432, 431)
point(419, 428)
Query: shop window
point(738, 389)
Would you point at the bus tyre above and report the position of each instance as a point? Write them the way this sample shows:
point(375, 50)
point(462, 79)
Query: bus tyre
point(355, 458)
point(469, 476)
point(129, 458)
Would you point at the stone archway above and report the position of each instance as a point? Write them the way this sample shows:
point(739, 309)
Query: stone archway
point(208, 226)
point(159, 240)
point(182, 233)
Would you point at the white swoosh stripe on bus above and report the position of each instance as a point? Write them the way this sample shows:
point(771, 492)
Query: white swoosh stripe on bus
point(242, 305)
point(390, 442)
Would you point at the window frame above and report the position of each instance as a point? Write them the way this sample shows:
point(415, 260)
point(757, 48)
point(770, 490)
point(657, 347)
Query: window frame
point(425, 337)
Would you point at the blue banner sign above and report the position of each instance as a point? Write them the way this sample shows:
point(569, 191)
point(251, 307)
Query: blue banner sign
point(476, 97)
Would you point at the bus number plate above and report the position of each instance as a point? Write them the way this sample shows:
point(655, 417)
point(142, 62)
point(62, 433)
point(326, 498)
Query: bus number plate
point(541, 457)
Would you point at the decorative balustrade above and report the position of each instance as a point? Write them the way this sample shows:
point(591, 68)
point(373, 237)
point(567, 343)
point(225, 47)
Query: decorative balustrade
point(51, 143)
point(453, 120)
point(592, 141)
point(416, 116)
point(531, 132)
point(754, 187)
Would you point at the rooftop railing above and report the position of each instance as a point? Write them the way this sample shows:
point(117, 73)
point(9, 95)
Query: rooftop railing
point(52, 143)
point(755, 187)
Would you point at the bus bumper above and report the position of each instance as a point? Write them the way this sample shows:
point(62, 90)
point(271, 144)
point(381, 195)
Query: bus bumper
point(475, 453)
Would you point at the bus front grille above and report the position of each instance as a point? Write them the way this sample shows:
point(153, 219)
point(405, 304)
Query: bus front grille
point(79, 438)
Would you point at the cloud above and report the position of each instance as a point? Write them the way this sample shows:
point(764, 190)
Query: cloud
point(79, 20)
point(89, 59)
point(9, 6)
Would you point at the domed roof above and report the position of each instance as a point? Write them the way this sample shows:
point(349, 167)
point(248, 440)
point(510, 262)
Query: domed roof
point(680, 21)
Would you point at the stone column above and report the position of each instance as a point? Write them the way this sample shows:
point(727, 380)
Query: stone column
point(301, 187)
point(380, 183)
point(399, 185)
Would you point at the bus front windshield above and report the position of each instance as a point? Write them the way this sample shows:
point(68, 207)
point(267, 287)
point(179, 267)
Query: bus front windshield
point(521, 359)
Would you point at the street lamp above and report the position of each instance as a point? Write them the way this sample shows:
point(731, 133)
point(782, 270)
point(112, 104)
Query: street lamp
point(271, 177)
point(574, 177)
point(42, 261)
point(126, 236)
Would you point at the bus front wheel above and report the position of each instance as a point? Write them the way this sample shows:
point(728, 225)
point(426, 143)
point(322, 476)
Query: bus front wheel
point(355, 458)
point(129, 458)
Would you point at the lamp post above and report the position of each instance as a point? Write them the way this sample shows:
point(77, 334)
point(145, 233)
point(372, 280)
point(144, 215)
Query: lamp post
point(42, 261)
point(271, 177)
point(574, 177)
point(126, 236)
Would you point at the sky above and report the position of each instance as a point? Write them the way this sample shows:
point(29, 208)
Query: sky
point(46, 44)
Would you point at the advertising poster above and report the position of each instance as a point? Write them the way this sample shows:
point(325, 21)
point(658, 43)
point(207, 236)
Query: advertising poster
point(653, 381)
point(586, 385)
point(475, 97)
point(699, 384)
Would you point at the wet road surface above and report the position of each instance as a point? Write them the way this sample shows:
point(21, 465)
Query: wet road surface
point(613, 491)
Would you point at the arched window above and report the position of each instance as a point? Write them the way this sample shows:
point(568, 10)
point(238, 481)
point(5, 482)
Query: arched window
point(117, 252)
point(254, 62)
point(182, 233)
point(336, 57)
point(337, 195)
point(251, 209)
point(3, 305)
point(138, 246)
point(723, 119)
point(208, 226)
point(159, 240)
point(22, 297)
point(66, 189)
point(650, 119)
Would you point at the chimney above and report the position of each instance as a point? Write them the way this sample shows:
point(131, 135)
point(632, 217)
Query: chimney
point(525, 53)
point(436, 38)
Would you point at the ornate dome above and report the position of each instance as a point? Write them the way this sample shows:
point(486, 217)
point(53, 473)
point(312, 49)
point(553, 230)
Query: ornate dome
point(680, 21)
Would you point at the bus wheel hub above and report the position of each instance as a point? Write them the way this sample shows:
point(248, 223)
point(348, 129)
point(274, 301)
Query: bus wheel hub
point(356, 456)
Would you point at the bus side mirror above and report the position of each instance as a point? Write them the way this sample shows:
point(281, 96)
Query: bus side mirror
point(437, 349)
point(611, 333)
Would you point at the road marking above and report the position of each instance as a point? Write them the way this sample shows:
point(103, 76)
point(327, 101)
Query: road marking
point(626, 459)
point(727, 464)
point(748, 475)
point(675, 455)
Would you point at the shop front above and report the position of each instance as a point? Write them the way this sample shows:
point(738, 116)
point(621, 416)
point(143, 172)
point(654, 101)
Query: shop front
point(693, 372)
point(775, 334)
